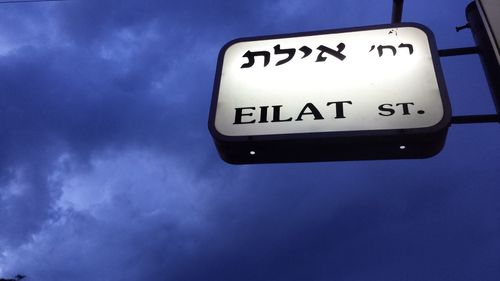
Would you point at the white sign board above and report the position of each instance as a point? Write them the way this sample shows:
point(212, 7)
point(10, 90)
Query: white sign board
point(371, 81)
point(490, 13)
point(380, 79)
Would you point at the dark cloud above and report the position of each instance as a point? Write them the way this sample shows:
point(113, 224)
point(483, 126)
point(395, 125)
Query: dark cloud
point(59, 99)
point(245, 228)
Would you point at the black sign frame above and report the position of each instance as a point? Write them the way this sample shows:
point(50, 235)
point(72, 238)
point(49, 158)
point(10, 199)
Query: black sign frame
point(333, 146)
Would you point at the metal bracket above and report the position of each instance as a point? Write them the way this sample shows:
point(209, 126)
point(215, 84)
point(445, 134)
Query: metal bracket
point(458, 51)
point(472, 119)
point(460, 28)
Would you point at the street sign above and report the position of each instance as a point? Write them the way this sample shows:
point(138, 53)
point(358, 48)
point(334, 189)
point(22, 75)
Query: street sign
point(362, 93)
point(490, 13)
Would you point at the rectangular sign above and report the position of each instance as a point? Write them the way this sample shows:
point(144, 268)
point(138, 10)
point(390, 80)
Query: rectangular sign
point(490, 13)
point(364, 86)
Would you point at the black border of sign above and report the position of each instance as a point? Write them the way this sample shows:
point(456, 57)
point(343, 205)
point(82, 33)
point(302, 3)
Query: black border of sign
point(440, 126)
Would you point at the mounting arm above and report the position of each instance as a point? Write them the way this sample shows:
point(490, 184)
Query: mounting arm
point(397, 11)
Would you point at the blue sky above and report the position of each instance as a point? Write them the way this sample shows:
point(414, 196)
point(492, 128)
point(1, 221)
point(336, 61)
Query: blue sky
point(108, 171)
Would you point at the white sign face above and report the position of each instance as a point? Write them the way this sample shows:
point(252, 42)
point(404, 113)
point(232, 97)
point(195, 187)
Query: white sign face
point(490, 12)
point(362, 80)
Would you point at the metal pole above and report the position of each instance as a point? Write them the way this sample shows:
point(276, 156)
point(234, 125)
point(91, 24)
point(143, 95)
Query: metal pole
point(397, 11)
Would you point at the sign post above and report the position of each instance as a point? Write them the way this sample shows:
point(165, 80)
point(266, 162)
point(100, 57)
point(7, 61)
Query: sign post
point(363, 93)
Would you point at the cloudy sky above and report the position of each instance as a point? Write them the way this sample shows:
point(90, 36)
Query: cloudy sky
point(108, 171)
